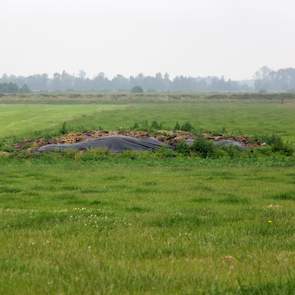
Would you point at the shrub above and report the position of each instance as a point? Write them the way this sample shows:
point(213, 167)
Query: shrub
point(204, 148)
point(277, 144)
point(187, 126)
point(183, 148)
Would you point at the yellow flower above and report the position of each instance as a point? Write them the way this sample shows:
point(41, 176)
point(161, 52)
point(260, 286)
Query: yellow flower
point(270, 221)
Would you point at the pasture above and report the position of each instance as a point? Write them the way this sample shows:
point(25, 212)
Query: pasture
point(124, 225)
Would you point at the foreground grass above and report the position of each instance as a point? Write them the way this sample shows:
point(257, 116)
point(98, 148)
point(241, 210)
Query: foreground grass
point(144, 227)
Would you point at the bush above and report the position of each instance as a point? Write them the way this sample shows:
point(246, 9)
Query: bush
point(183, 148)
point(204, 148)
point(277, 144)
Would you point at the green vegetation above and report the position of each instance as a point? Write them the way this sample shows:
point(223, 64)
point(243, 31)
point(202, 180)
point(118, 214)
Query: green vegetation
point(94, 223)
point(257, 119)
point(25, 120)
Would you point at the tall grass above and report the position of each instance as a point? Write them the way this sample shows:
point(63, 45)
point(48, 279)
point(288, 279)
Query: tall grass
point(129, 227)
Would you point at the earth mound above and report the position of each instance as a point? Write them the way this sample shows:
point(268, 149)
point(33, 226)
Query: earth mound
point(115, 144)
point(122, 140)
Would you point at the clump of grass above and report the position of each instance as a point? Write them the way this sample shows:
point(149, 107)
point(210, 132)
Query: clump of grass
point(156, 125)
point(201, 200)
point(288, 196)
point(234, 200)
point(177, 127)
point(165, 153)
point(147, 126)
point(64, 129)
point(187, 126)
point(135, 126)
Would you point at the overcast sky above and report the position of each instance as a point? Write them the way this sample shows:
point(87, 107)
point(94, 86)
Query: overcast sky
point(191, 37)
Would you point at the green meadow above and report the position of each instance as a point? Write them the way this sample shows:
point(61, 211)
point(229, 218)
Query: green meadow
point(147, 225)
point(25, 119)
point(253, 118)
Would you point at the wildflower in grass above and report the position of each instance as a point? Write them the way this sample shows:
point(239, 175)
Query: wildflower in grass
point(270, 221)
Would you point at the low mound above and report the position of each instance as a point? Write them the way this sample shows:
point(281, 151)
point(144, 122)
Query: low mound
point(116, 144)
point(132, 140)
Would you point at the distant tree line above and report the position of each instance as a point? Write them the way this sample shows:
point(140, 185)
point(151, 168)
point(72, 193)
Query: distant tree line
point(265, 80)
point(157, 83)
point(11, 87)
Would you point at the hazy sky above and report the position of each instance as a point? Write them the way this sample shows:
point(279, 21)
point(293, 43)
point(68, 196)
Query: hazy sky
point(190, 37)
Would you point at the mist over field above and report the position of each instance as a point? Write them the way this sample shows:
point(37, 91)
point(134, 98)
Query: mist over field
point(231, 38)
point(264, 80)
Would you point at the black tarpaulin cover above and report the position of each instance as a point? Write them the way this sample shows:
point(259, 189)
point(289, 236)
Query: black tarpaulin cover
point(116, 144)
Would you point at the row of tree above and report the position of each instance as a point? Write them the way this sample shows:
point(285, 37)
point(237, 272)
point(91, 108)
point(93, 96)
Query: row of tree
point(159, 82)
point(11, 87)
point(265, 80)
point(275, 81)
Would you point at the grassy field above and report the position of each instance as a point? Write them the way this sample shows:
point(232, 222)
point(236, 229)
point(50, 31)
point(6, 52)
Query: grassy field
point(22, 119)
point(258, 118)
point(148, 226)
